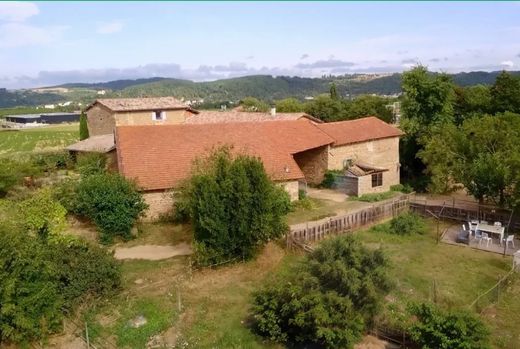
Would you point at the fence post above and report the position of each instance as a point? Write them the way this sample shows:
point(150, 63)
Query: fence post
point(86, 335)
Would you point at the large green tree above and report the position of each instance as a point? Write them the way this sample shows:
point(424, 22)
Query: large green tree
point(505, 93)
point(428, 102)
point(234, 206)
point(483, 155)
point(83, 127)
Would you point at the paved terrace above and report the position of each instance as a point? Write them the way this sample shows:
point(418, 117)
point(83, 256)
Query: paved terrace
point(450, 237)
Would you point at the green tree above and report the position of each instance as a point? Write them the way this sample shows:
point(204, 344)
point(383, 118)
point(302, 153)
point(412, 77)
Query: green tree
point(470, 101)
point(505, 93)
point(367, 105)
point(333, 91)
point(428, 101)
point(328, 299)
point(482, 154)
point(289, 105)
point(112, 202)
point(434, 329)
point(30, 302)
point(83, 128)
point(254, 105)
point(326, 108)
point(234, 207)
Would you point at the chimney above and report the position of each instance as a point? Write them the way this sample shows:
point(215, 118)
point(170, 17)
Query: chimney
point(273, 111)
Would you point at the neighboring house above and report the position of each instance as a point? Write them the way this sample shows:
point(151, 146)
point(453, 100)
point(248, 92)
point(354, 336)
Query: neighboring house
point(368, 149)
point(105, 114)
point(295, 148)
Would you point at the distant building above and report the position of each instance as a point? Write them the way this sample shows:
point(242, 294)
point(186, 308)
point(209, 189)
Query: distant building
point(101, 92)
point(47, 118)
point(49, 106)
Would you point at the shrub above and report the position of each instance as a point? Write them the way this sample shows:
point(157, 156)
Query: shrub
point(408, 223)
point(328, 299)
point(329, 178)
point(51, 161)
point(65, 192)
point(12, 173)
point(29, 299)
point(234, 206)
point(302, 194)
point(435, 329)
point(373, 197)
point(306, 204)
point(91, 163)
point(41, 214)
point(83, 269)
point(403, 188)
point(112, 202)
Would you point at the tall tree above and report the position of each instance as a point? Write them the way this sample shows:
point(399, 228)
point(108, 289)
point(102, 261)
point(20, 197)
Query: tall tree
point(505, 93)
point(83, 127)
point(428, 101)
point(289, 105)
point(333, 91)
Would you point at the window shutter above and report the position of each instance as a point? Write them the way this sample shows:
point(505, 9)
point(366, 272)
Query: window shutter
point(153, 115)
point(163, 115)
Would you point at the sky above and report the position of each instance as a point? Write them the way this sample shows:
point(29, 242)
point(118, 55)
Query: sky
point(49, 43)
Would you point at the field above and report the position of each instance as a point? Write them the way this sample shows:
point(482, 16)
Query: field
point(210, 308)
point(14, 142)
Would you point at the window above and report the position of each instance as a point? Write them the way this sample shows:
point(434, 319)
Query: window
point(158, 115)
point(377, 179)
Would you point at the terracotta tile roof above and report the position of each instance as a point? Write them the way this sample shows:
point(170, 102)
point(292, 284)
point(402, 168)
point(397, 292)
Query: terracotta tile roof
point(138, 104)
point(360, 169)
point(161, 156)
point(96, 144)
point(359, 130)
point(210, 117)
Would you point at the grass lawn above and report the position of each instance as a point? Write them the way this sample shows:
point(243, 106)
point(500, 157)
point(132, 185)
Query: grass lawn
point(38, 139)
point(316, 209)
point(460, 274)
point(215, 302)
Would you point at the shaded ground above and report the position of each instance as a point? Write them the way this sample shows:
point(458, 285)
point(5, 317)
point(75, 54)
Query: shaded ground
point(152, 252)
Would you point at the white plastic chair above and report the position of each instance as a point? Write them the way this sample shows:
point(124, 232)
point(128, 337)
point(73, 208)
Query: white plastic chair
point(485, 237)
point(478, 236)
point(509, 239)
point(497, 224)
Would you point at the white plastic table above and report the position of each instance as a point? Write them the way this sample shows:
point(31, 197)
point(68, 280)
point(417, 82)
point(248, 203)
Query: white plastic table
point(492, 229)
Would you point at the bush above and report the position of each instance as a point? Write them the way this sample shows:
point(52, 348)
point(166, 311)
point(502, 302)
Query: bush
point(328, 299)
point(83, 127)
point(52, 161)
point(112, 202)
point(306, 204)
point(83, 270)
point(408, 223)
point(30, 302)
point(374, 197)
point(41, 214)
point(65, 192)
point(435, 329)
point(403, 188)
point(12, 173)
point(91, 164)
point(234, 206)
point(329, 178)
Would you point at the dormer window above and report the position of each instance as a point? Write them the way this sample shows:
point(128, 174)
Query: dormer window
point(158, 115)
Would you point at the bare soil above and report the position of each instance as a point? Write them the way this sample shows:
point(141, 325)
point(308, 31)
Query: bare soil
point(152, 252)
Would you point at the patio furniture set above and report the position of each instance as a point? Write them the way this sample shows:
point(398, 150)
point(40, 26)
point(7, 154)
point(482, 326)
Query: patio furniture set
point(483, 233)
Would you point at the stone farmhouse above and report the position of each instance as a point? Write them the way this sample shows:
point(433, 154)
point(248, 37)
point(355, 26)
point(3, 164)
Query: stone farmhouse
point(156, 140)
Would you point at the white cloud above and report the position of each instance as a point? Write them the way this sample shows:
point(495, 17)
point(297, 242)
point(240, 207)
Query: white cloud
point(109, 27)
point(508, 64)
point(15, 11)
point(20, 34)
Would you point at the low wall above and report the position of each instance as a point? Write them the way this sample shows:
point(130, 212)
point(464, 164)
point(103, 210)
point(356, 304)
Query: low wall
point(159, 202)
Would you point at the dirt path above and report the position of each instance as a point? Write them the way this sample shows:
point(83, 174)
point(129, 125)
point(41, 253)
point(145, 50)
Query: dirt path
point(326, 194)
point(152, 252)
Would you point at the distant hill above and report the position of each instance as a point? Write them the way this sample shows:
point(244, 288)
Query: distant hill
point(265, 87)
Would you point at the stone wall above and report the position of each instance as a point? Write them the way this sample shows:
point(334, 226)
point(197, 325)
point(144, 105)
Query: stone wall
point(159, 202)
point(380, 153)
point(291, 187)
point(313, 164)
point(100, 121)
point(146, 118)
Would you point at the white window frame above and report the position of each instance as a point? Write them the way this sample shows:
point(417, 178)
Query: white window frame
point(162, 114)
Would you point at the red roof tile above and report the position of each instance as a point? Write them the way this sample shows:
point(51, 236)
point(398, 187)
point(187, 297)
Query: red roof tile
point(212, 116)
point(161, 156)
point(140, 104)
point(359, 130)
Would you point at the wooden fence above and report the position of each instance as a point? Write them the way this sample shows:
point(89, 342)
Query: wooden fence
point(318, 230)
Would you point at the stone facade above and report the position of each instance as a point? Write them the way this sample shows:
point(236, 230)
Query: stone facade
point(100, 121)
point(291, 187)
point(159, 202)
point(313, 164)
point(103, 121)
point(381, 153)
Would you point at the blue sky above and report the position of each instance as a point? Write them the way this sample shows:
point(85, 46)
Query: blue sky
point(45, 43)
